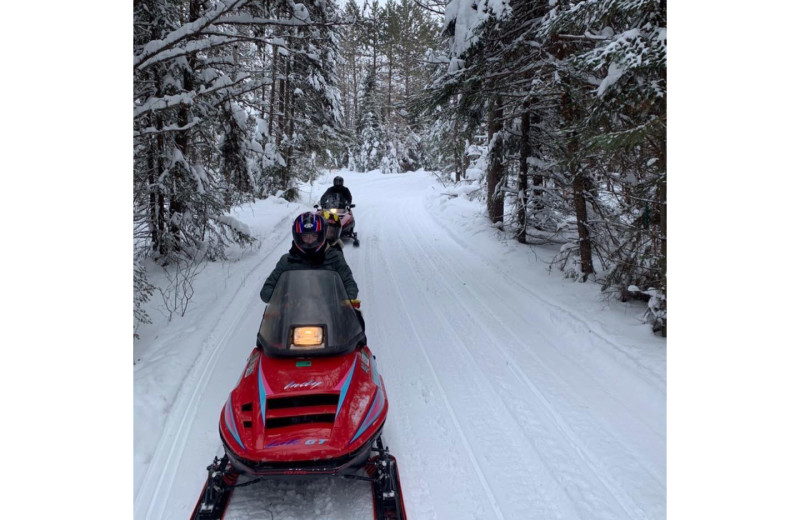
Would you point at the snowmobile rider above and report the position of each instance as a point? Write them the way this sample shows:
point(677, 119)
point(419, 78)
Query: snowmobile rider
point(310, 250)
point(338, 188)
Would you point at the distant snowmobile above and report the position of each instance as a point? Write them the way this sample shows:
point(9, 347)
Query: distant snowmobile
point(310, 401)
point(336, 203)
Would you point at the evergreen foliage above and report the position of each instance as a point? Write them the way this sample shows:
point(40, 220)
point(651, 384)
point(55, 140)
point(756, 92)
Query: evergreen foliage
point(218, 118)
point(556, 109)
point(583, 117)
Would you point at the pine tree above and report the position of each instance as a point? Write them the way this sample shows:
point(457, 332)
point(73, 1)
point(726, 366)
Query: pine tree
point(207, 135)
point(626, 129)
point(370, 128)
point(583, 159)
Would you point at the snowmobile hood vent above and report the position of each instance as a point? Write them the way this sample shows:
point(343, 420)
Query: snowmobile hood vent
point(301, 409)
point(280, 422)
point(297, 401)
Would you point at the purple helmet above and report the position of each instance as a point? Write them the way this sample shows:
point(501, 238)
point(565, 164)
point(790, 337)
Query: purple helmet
point(308, 232)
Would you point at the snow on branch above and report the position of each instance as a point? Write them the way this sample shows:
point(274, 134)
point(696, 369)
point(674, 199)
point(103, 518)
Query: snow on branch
point(169, 128)
point(155, 47)
point(221, 85)
point(462, 18)
point(245, 19)
point(205, 44)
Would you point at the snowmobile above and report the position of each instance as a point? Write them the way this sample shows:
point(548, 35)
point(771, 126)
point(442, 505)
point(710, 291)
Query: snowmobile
point(309, 403)
point(336, 203)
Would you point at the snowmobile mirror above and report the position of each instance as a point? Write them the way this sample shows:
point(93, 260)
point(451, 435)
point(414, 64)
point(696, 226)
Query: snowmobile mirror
point(352, 205)
point(316, 206)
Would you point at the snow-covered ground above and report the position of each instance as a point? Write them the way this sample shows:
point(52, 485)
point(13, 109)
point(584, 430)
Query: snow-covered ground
point(514, 393)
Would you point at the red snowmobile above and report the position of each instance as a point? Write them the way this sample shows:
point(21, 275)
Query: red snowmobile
point(310, 401)
point(337, 203)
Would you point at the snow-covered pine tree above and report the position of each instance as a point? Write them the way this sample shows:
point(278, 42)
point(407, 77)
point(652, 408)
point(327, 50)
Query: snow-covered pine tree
point(371, 135)
point(206, 133)
point(624, 60)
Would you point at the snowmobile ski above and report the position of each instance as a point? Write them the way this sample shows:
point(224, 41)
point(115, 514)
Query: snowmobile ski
point(387, 495)
point(217, 491)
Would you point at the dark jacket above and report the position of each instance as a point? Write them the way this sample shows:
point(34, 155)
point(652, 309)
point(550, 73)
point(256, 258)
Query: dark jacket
point(331, 259)
point(337, 244)
point(337, 189)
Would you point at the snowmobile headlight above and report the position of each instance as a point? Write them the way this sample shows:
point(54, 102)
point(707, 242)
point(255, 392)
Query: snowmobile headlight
point(305, 337)
point(334, 211)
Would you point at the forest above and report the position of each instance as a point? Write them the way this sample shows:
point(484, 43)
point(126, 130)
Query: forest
point(554, 111)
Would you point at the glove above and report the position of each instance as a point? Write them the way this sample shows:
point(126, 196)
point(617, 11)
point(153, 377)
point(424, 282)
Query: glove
point(354, 303)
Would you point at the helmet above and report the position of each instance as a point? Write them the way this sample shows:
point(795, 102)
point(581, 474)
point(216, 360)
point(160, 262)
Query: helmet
point(308, 233)
point(334, 223)
point(338, 181)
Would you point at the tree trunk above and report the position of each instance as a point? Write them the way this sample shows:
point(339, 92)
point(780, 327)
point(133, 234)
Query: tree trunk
point(290, 134)
point(524, 153)
point(154, 166)
point(457, 155)
point(354, 122)
point(275, 59)
point(579, 189)
point(389, 98)
point(262, 50)
point(494, 201)
point(661, 195)
point(579, 184)
point(536, 152)
point(282, 102)
point(285, 121)
point(178, 201)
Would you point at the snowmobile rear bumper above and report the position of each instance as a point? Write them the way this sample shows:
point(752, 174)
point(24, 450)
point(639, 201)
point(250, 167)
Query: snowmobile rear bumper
point(348, 463)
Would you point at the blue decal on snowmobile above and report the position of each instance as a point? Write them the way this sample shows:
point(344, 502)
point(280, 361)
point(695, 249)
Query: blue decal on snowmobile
point(274, 444)
point(346, 386)
point(231, 423)
point(263, 391)
point(374, 411)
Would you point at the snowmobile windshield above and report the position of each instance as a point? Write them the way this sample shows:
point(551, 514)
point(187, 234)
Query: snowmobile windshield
point(309, 314)
point(333, 200)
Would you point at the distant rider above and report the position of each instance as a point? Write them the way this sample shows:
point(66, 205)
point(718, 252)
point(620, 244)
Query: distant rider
point(338, 188)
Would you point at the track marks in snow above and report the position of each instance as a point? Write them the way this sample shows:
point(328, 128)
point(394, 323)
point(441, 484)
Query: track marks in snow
point(331, 499)
point(154, 494)
point(505, 459)
point(561, 315)
point(451, 412)
point(495, 356)
point(573, 417)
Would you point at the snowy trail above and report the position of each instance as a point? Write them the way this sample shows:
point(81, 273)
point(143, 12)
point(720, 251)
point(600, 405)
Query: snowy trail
point(505, 402)
point(153, 497)
point(489, 388)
